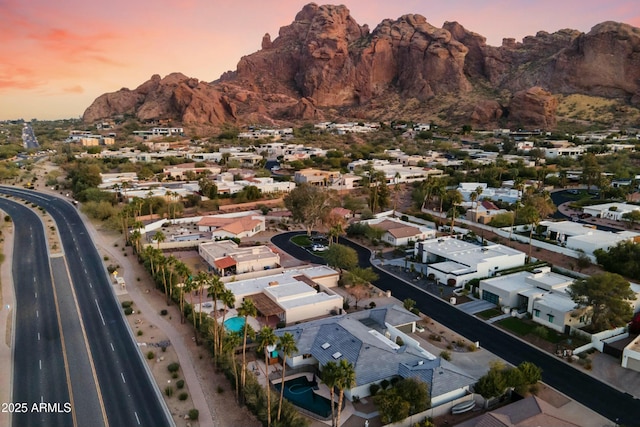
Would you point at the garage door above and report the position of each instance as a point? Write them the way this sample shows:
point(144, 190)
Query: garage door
point(491, 297)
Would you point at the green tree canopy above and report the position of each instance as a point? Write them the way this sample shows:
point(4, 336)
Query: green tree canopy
point(608, 296)
point(308, 205)
point(623, 258)
point(341, 256)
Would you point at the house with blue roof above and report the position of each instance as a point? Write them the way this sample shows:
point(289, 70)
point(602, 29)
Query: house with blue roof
point(377, 344)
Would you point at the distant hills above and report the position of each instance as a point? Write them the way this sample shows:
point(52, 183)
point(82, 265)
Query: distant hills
point(325, 66)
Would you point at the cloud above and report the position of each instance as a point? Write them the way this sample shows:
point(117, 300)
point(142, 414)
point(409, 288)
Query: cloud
point(73, 89)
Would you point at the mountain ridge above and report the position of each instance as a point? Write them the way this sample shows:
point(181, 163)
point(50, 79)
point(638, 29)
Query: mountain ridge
point(325, 66)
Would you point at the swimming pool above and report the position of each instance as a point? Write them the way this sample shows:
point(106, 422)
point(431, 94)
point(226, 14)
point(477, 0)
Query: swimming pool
point(234, 324)
point(299, 391)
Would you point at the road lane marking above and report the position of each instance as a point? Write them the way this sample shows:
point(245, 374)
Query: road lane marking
point(40, 363)
point(112, 349)
point(100, 313)
point(37, 314)
point(137, 419)
point(36, 295)
point(122, 375)
point(90, 285)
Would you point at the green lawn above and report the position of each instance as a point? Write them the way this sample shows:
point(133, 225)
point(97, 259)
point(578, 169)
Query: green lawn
point(488, 314)
point(518, 326)
point(301, 240)
point(523, 327)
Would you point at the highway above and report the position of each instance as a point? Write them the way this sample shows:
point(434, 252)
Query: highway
point(39, 373)
point(28, 137)
point(585, 389)
point(130, 397)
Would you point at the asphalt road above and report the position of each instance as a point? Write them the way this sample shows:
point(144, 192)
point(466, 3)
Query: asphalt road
point(129, 394)
point(602, 398)
point(39, 373)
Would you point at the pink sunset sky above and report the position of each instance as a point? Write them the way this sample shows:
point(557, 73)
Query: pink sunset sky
point(56, 57)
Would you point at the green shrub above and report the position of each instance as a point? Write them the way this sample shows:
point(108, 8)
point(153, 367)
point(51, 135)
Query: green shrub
point(163, 312)
point(128, 311)
point(373, 389)
point(194, 414)
point(174, 375)
point(151, 355)
point(541, 331)
point(168, 390)
point(173, 367)
point(183, 396)
point(384, 384)
point(180, 384)
point(446, 355)
point(140, 333)
point(126, 304)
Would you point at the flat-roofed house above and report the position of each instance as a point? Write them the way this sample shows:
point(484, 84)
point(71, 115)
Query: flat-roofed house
point(541, 293)
point(227, 259)
point(454, 262)
point(293, 295)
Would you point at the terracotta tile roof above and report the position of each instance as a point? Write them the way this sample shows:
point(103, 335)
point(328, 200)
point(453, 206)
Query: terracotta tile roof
point(237, 227)
point(225, 262)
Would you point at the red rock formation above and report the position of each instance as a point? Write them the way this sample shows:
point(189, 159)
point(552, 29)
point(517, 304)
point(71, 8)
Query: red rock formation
point(325, 61)
point(533, 107)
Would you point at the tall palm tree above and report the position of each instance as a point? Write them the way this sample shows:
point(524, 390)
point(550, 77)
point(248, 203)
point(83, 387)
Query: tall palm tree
point(229, 300)
point(171, 263)
point(396, 191)
point(330, 378)
point(189, 287)
point(473, 197)
point(214, 290)
point(455, 198)
point(247, 309)
point(159, 237)
point(185, 273)
point(346, 379)
point(267, 339)
point(231, 341)
point(135, 239)
point(286, 347)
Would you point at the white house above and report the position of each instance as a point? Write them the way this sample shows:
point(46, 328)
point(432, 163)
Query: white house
point(455, 262)
point(583, 237)
point(631, 355)
point(541, 293)
point(507, 195)
point(369, 341)
point(613, 211)
point(293, 295)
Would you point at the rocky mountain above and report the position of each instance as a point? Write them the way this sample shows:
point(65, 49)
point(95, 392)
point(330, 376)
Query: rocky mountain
point(324, 65)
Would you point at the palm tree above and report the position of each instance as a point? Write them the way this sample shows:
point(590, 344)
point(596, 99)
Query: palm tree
point(184, 272)
point(396, 191)
point(532, 217)
point(214, 289)
point(159, 237)
point(266, 341)
point(346, 379)
point(171, 263)
point(286, 347)
point(189, 287)
point(231, 341)
point(135, 239)
point(228, 299)
point(246, 309)
point(330, 378)
point(455, 198)
point(473, 197)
